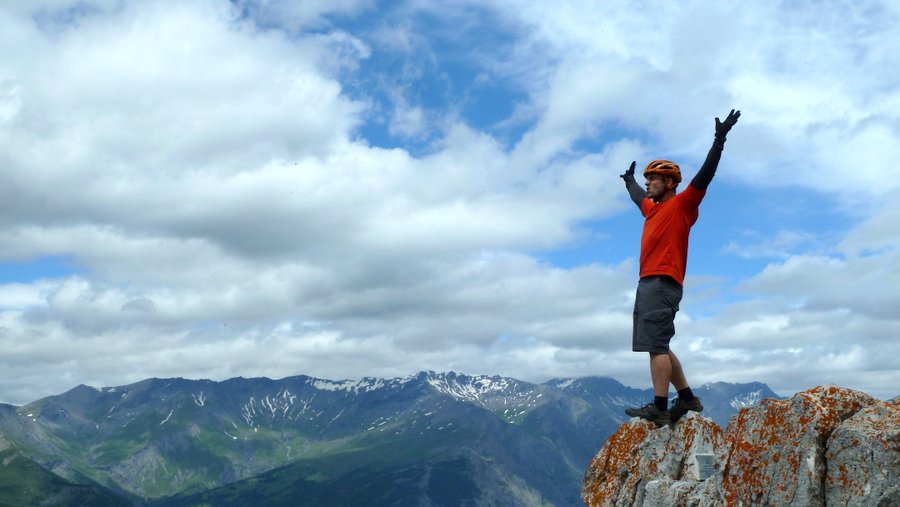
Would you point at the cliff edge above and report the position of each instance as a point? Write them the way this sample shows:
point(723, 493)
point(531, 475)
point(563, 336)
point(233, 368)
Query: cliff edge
point(825, 446)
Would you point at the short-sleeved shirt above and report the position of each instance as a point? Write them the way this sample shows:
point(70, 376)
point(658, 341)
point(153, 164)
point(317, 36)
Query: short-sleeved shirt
point(664, 242)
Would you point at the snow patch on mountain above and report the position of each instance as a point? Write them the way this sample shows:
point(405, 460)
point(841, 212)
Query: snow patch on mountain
point(471, 388)
point(480, 389)
point(510, 398)
point(282, 405)
point(748, 400)
point(351, 386)
point(199, 399)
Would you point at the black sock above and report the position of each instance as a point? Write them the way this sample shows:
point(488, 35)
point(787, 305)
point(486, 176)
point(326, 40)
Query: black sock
point(661, 402)
point(686, 394)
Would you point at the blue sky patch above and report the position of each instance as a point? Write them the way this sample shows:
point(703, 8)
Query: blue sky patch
point(36, 269)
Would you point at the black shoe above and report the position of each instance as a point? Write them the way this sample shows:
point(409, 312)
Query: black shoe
point(649, 412)
point(681, 407)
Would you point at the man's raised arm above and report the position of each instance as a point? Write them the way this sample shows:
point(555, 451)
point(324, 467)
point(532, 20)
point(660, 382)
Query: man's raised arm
point(708, 169)
point(635, 190)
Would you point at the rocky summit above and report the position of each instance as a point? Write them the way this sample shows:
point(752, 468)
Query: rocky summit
point(825, 446)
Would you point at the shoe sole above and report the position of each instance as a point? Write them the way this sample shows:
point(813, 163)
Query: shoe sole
point(658, 422)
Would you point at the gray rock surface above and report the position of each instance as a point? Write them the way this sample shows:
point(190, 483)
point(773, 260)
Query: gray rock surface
point(643, 465)
point(825, 446)
point(863, 459)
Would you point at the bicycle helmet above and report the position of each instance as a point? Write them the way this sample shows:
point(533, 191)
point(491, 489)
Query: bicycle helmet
point(664, 168)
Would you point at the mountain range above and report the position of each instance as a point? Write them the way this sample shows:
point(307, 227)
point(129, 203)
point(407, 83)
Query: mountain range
point(427, 439)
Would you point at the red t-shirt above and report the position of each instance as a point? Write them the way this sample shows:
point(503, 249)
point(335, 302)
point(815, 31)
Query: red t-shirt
point(664, 242)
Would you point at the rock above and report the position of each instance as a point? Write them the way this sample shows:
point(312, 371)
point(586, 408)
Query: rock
point(613, 475)
point(776, 450)
point(641, 464)
point(824, 446)
point(863, 459)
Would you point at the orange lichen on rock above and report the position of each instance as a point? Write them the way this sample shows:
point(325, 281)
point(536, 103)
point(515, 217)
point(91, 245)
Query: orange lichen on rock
point(824, 446)
point(641, 461)
point(750, 436)
point(776, 449)
point(863, 456)
point(616, 466)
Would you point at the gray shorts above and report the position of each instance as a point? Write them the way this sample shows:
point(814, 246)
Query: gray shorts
point(655, 306)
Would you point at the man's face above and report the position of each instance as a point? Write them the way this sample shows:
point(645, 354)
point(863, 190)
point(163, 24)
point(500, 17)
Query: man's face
point(658, 186)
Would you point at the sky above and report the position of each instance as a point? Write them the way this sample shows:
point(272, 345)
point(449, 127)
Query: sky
point(210, 189)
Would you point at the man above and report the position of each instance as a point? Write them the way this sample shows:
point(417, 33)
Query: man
point(664, 246)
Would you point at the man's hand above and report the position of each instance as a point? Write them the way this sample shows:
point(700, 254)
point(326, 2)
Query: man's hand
point(722, 127)
point(630, 171)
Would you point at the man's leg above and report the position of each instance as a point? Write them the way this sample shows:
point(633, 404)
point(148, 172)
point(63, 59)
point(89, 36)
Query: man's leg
point(677, 377)
point(666, 369)
point(686, 400)
point(653, 327)
point(657, 411)
point(660, 373)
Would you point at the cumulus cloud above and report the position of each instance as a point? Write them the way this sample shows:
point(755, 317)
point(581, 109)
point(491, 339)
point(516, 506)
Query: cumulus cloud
point(781, 245)
point(812, 87)
point(203, 165)
point(201, 170)
point(809, 320)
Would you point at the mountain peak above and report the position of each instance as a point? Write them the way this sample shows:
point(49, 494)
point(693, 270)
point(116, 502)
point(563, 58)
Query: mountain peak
point(476, 388)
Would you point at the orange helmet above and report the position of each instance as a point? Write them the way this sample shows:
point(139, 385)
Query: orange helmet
point(664, 168)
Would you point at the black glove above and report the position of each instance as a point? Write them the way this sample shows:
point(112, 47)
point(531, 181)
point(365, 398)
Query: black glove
point(629, 174)
point(722, 127)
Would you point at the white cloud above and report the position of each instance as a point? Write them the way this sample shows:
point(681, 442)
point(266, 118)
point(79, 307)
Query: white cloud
point(815, 89)
point(779, 246)
point(876, 234)
point(507, 306)
point(408, 121)
point(200, 163)
point(812, 320)
point(292, 16)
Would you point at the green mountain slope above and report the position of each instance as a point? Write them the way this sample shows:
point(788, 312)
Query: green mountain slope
point(23, 482)
point(473, 460)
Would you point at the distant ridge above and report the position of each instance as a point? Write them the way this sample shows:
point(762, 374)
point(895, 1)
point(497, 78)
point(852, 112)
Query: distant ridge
point(426, 438)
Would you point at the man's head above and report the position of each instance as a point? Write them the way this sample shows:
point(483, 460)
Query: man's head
point(663, 177)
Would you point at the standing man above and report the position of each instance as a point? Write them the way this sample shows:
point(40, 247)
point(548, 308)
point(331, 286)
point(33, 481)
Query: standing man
point(669, 217)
